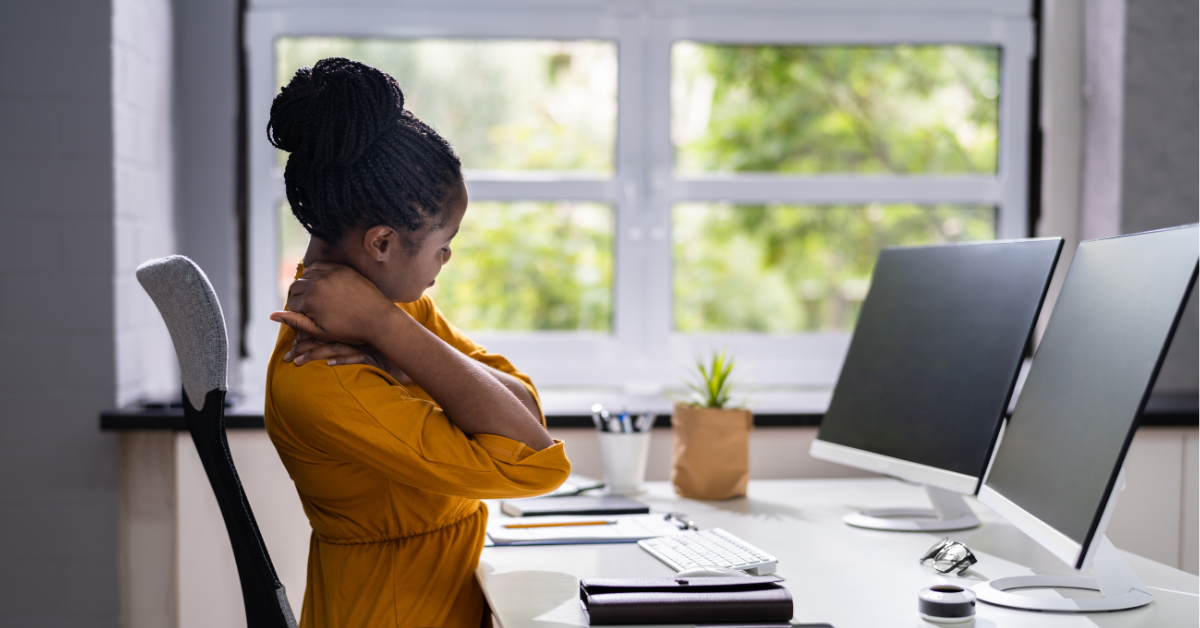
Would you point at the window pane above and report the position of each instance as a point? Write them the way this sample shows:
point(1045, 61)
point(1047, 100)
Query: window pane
point(503, 104)
point(787, 268)
point(820, 109)
point(530, 267)
point(515, 266)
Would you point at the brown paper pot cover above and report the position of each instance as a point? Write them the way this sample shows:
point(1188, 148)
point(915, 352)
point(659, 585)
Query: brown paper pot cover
point(710, 452)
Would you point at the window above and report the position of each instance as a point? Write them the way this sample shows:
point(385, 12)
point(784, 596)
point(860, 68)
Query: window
point(782, 268)
point(894, 109)
point(648, 183)
point(818, 109)
point(512, 108)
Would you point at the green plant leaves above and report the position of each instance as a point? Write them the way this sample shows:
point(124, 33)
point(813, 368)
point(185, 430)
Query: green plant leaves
point(713, 387)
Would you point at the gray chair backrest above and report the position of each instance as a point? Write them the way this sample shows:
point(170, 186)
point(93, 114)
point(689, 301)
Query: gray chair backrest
point(193, 316)
point(192, 313)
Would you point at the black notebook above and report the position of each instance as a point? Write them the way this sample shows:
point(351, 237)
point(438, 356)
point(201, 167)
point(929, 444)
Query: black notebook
point(682, 600)
point(538, 506)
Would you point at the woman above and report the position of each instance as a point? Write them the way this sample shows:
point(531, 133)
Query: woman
point(392, 423)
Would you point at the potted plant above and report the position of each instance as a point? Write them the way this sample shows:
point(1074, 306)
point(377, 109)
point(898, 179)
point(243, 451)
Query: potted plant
point(710, 435)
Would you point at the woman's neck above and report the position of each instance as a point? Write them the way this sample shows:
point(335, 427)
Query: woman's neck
point(321, 251)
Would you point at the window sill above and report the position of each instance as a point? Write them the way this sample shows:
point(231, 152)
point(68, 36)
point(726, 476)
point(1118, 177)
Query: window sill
point(1161, 411)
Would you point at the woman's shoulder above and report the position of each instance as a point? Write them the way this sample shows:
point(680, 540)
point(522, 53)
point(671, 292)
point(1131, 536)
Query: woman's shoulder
point(421, 309)
point(302, 386)
point(425, 311)
point(417, 309)
point(314, 394)
point(317, 379)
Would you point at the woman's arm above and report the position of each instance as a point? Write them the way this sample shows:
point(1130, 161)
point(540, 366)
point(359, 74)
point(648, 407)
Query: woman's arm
point(517, 388)
point(471, 394)
point(308, 349)
point(334, 303)
point(356, 415)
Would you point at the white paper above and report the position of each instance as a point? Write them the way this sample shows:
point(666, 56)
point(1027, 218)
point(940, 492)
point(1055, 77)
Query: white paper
point(627, 528)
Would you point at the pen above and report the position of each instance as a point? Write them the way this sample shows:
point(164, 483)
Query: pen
point(597, 411)
point(603, 420)
point(559, 525)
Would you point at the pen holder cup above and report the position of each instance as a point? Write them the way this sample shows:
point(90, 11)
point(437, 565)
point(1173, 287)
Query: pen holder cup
point(624, 457)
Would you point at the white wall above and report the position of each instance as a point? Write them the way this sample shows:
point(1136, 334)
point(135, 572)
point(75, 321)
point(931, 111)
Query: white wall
point(58, 473)
point(1104, 100)
point(1061, 121)
point(148, 562)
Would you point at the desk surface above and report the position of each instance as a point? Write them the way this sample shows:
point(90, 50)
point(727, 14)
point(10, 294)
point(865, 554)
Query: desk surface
point(837, 574)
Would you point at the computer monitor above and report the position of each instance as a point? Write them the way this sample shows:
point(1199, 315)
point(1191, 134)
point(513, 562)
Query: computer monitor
point(931, 368)
point(1057, 470)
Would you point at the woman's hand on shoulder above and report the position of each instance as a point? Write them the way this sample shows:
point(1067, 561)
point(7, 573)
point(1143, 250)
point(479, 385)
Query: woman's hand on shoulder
point(308, 349)
point(334, 303)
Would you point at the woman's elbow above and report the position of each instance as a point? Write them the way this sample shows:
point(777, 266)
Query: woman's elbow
point(544, 480)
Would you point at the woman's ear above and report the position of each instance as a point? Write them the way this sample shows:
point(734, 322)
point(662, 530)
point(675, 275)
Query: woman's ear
point(381, 243)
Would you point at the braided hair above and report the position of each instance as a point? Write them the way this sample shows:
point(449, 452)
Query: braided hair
point(358, 157)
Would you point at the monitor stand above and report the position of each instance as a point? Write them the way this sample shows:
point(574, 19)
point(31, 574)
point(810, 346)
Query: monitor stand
point(1120, 587)
point(949, 512)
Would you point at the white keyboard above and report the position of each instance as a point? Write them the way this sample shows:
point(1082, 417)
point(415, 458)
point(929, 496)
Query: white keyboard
point(707, 548)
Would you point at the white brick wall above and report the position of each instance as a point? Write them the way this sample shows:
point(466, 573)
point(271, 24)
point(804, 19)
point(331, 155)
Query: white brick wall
point(143, 170)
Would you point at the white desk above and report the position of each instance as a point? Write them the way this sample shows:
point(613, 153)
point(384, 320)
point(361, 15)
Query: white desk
point(837, 574)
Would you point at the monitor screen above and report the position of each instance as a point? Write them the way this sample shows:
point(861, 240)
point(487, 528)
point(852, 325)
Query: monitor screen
point(1091, 376)
point(936, 352)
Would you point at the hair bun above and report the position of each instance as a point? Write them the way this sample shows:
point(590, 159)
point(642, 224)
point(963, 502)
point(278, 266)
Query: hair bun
point(330, 114)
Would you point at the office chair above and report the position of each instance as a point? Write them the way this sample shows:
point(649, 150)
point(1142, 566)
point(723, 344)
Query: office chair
point(188, 305)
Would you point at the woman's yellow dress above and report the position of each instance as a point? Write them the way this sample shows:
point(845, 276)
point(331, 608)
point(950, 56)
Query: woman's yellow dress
point(392, 487)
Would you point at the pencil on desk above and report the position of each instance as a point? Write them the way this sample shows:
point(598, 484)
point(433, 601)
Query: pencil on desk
point(557, 525)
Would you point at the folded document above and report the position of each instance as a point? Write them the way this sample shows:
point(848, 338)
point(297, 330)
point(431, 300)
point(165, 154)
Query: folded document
point(603, 529)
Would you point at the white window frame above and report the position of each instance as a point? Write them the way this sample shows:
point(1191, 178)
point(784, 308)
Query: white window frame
point(643, 355)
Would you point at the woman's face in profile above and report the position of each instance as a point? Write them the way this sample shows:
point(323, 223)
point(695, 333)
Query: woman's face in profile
point(406, 278)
